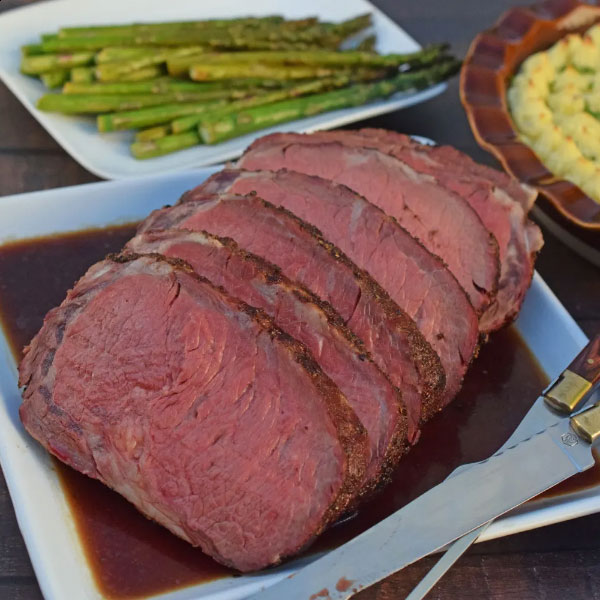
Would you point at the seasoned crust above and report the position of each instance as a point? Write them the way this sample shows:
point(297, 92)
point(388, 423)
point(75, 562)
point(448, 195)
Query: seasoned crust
point(426, 360)
point(271, 274)
point(430, 407)
point(350, 432)
point(352, 436)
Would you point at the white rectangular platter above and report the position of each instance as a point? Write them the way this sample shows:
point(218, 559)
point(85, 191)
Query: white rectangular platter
point(41, 508)
point(107, 155)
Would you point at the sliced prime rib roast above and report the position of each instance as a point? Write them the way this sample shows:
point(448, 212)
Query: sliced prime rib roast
point(195, 407)
point(302, 254)
point(454, 159)
point(414, 278)
point(501, 202)
point(440, 219)
point(298, 312)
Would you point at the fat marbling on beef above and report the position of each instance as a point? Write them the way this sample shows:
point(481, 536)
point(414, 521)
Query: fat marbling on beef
point(195, 407)
point(415, 279)
point(303, 255)
point(302, 315)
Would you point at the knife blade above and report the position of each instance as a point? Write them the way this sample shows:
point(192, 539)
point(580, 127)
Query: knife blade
point(565, 398)
point(450, 556)
point(443, 514)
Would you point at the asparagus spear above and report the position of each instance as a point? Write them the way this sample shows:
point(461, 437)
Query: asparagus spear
point(161, 95)
point(153, 133)
point(224, 43)
point(345, 28)
point(367, 45)
point(88, 75)
point(165, 145)
point(179, 66)
point(319, 58)
point(326, 33)
point(162, 114)
point(135, 28)
point(188, 122)
point(101, 103)
point(82, 74)
point(427, 56)
point(122, 54)
point(36, 65)
point(115, 70)
point(232, 89)
point(219, 126)
point(320, 33)
point(208, 72)
point(301, 29)
point(31, 49)
point(94, 43)
point(157, 115)
point(119, 53)
point(273, 38)
point(152, 86)
point(55, 79)
point(144, 74)
point(222, 124)
point(352, 26)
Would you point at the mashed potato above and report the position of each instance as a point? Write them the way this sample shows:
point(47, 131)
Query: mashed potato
point(555, 104)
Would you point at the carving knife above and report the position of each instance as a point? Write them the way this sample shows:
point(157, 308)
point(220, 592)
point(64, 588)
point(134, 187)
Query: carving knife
point(468, 499)
point(566, 401)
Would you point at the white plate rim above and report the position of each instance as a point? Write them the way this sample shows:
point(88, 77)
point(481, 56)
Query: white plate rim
point(47, 205)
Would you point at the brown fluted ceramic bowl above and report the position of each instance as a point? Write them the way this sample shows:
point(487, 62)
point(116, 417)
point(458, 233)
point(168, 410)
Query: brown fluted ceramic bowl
point(493, 57)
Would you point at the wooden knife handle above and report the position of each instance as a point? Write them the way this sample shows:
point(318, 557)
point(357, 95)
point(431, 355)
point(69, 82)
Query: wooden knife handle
point(578, 381)
point(587, 362)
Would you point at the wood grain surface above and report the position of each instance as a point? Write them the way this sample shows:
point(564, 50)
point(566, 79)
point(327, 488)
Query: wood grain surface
point(587, 364)
point(556, 562)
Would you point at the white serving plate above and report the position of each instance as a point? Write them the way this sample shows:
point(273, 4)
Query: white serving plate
point(107, 155)
point(40, 505)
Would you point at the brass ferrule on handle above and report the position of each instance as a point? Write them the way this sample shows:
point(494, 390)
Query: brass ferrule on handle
point(587, 424)
point(574, 387)
point(578, 381)
point(568, 393)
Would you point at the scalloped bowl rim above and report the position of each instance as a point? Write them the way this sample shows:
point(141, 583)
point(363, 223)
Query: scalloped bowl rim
point(497, 149)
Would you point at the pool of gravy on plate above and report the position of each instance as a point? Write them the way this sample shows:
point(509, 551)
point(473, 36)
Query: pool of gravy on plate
point(131, 556)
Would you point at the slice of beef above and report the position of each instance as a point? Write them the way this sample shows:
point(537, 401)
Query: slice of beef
point(440, 219)
point(303, 255)
point(414, 278)
point(453, 159)
point(302, 315)
point(195, 407)
point(501, 202)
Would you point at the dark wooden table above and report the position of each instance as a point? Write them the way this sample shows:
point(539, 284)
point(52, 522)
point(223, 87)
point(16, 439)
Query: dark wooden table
point(557, 562)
